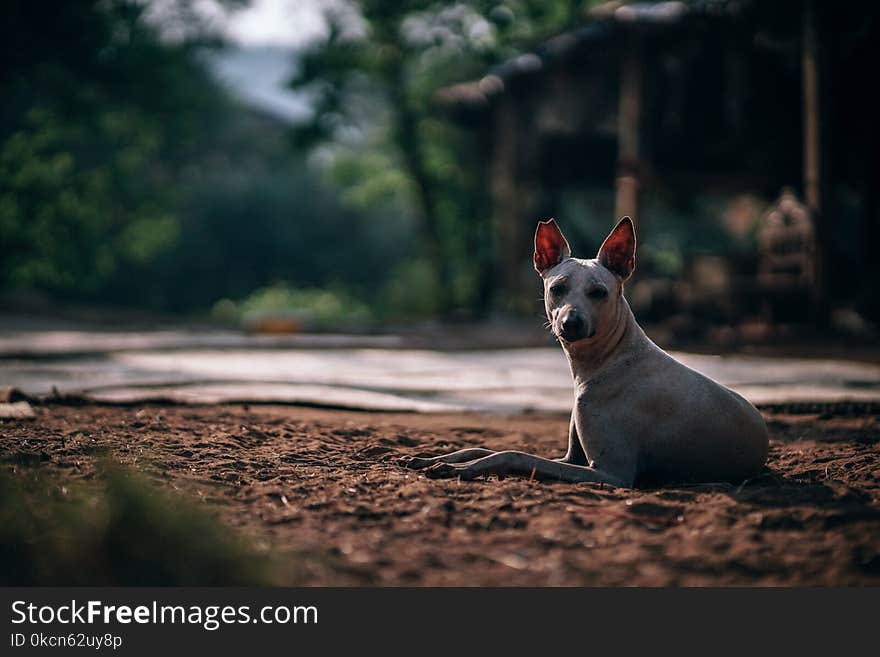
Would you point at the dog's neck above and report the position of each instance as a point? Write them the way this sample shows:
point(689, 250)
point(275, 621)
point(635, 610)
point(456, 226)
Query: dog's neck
point(589, 359)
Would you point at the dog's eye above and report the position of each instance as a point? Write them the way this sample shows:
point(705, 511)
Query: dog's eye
point(558, 290)
point(597, 293)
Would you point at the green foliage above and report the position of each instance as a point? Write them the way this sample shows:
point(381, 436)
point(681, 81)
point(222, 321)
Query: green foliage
point(68, 223)
point(100, 120)
point(412, 291)
point(314, 307)
point(244, 229)
point(128, 176)
point(117, 530)
point(374, 80)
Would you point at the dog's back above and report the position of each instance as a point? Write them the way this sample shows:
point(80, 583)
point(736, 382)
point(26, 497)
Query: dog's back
point(675, 423)
point(695, 429)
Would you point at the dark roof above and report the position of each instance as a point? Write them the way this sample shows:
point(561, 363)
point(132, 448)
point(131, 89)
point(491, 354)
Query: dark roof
point(603, 22)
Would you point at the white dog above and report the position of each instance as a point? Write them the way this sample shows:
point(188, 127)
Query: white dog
point(639, 413)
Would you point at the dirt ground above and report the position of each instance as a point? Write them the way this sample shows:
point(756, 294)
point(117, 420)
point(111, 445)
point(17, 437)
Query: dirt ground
point(324, 485)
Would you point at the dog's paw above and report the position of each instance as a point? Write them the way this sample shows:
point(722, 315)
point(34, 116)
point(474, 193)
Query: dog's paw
point(414, 462)
point(442, 470)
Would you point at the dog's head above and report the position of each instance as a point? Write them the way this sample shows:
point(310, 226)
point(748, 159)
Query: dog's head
point(582, 297)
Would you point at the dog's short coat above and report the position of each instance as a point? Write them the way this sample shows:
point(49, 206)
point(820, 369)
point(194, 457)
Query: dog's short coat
point(639, 414)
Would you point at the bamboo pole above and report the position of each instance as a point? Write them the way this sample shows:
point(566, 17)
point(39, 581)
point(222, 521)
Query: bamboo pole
point(812, 138)
point(812, 155)
point(628, 123)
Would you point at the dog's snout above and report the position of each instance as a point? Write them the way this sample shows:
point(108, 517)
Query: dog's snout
point(572, 326)
point(572, 322)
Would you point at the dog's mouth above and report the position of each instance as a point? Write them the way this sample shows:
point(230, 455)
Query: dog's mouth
point(571, 337)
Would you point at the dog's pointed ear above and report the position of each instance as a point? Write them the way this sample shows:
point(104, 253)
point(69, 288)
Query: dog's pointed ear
point(618, 252)
point(551, 247)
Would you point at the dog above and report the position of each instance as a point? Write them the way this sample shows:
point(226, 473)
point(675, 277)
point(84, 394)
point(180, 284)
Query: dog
point(639, 415)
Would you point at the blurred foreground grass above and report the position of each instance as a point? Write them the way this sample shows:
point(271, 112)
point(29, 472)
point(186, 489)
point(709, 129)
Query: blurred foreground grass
point(117, 529)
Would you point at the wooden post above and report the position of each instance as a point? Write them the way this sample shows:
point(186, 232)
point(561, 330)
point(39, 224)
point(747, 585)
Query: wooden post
point(812, 120)
point(812, 137)
point(628, 123)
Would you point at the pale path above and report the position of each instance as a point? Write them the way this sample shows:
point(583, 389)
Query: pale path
point(367, 372)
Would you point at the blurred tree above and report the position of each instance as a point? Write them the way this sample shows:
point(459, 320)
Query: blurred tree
point(243, 229)
point(99, 117)
point(373, 79)
point(128, 175)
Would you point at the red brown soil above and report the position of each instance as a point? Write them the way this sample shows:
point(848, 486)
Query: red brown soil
point(324, 486)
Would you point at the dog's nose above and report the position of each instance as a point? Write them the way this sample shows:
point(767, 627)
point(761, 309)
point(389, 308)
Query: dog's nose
point(572, 327)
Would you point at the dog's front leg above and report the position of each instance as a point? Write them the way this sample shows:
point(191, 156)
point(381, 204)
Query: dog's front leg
point(575, 452)
point(461, 456)
point(530, 465)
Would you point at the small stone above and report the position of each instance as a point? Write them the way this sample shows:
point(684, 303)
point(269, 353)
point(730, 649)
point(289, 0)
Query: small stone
point(17, 411)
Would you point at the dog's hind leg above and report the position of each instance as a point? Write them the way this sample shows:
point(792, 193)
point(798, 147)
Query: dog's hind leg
point(529, 465)
point(461, 456)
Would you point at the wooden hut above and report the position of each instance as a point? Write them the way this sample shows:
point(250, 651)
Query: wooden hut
point(738, 95)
